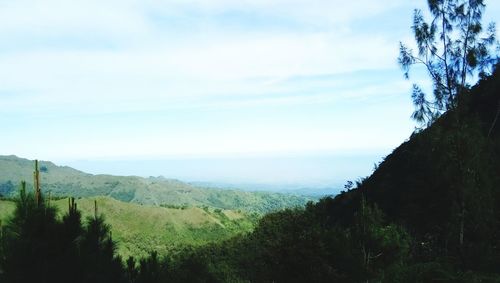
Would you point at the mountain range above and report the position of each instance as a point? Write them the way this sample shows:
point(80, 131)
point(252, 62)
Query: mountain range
point(64, 181)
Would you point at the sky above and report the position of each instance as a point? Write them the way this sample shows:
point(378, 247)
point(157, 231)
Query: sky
point(106, 85)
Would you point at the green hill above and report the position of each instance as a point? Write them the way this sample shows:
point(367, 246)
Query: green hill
point(65, 181)
point(6, 208)
point(429, 213)
point(140, 229)
point(423, 183)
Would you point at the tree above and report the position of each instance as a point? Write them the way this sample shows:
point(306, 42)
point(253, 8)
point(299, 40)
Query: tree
point(380, 246)
point(454, 49)
point(36, 246)
point(31, 241)
point(70, 231)
point(98, 252)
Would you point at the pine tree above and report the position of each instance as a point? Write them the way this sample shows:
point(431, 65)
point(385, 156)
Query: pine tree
point(454, 49)
point(31, 241)
point(98, 252)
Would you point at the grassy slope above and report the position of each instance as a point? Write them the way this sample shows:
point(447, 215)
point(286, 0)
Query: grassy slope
point(66, 181)
point(139, 229)
point(6, 207)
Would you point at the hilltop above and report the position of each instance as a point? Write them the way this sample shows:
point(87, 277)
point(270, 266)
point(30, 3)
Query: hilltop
point(63, 181)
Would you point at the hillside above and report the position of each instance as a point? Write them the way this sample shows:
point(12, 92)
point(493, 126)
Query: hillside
point(421, 181)
point(65, 181)
point(141, 229)
point(429, 213)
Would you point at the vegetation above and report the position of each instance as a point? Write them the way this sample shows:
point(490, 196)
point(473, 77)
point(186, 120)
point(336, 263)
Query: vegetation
point(452, 47)
point(140, 229)
point(429, 213)
point(413, 220)
point(66, 181)
point(36, 246)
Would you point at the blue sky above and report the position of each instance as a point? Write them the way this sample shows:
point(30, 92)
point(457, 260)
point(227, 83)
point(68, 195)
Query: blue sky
point(193, 79)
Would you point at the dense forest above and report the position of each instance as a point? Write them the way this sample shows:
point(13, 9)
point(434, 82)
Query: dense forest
point(430, 212)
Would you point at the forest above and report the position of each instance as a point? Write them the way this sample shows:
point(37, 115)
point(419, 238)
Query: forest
point(430, 212)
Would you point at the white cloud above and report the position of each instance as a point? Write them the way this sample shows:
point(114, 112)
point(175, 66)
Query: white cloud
point(315, 12)
point(224, 65)
point(59, 17)
point(93, 57)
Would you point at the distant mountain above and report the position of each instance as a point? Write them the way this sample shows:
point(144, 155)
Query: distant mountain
point(316, 191)
point(66, 181)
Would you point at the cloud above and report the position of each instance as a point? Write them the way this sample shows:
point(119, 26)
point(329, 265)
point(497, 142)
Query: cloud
point(91, 64)
point(142, 20)
point(57, 17)
point(316, 12)
point(222, 66)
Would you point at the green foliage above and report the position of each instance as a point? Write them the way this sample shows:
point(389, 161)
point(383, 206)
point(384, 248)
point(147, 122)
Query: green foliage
point(429, 213)
point(68, 182)
point(38, 247)
point(140, 229)
point(98, 252)
point(300, 245)
point(379, 245)
point(443, 185)
point(453, 47)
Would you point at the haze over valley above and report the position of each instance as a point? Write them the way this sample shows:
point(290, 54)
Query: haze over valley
point(315, 172)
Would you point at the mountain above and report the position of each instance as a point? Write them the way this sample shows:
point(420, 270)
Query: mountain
point(430, 212)
point(427, 180)
point(65, 181)
point(317, 190)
